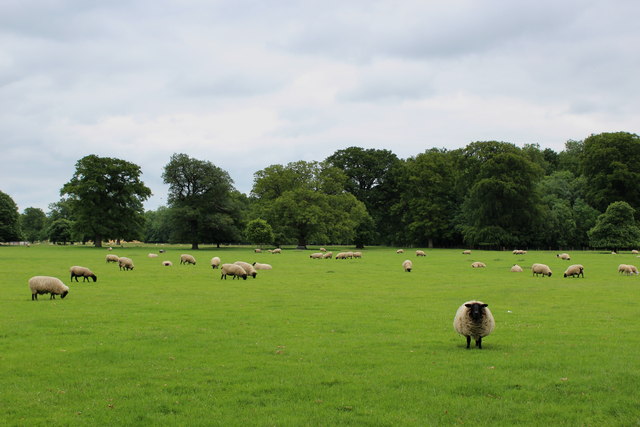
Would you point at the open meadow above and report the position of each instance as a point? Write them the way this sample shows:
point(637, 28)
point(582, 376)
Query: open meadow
point(317, 342)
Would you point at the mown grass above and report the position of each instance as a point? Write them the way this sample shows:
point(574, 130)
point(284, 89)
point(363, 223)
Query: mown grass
point(317, 342)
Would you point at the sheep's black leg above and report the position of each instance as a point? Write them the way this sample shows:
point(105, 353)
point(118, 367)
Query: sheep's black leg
point(479, 343)
point(468, 342)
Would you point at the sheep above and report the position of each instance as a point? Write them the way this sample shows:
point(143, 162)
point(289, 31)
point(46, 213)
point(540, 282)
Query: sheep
point(627, 269)
point(466, 252)
point(215, 262)
point(322, 250)
point(420, 253)
point(400, 251)
point(187, 259)
point(474, 320)
point(516, 269)
point(634, 251)
point(47, 285)
point(232, 270)
point(574, 270)
point(248, 268)
point(327, 255)
point(125, 263)
point(167, 263)
point(152, 255)
point(478, 264)
point(316, 255)
point(519, 252)
point(258, 251)
point(407, 265)
point(112, 258)
point(276, 251)
point(348, 255)
point(109, 248)
point(77, 271)
point(357, 255)
point(259, 266)
point(563, 256)
point(341, 255)
point(161, 251)
point(541, 269)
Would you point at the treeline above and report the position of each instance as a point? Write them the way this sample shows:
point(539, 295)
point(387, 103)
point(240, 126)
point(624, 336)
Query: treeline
point(485, 195)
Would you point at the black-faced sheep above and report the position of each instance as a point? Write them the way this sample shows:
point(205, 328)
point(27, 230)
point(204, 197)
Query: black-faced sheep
point(215, 262)
point(187, 259)
point(276, 251)
point(516, 269)
point(47, 285)
point(400, 251)
point(233, 270)
point(248, 268)
point(575, 270)
point(327, 255)
point(357, 255)
point(112, 258)
point(316, 255)
point(259, 266)
point(541, 269)
point(125, 263)
point(86, 274)
point(420, 253)
point(407, 265)
point(167, 263)
point(466, 252)
point(478, 264)
point(474, 320)
point(563, 256)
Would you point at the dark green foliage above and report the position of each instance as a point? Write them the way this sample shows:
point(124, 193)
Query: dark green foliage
point(33, 222)
point(60, 231)
point(157, 227)
point(9, 219)
point(616, 228)
point(259, 231)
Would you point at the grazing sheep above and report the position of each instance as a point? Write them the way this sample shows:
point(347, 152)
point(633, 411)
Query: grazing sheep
point(316, 255)
point(519, 252)
point(564, 256)
point(466, 252)
point(47, 285)
point(322, 250)
point(348, 255)
point(77, 271)
point(634, 251)
point(341, 255)
point(574, 270)
point(233, 270)
point(187, 259)
point(258, 251)
point(420, 253)
point(161, 251)
point(109, 248)
point(516, 269)
point(478, 264)
point(541, 269)
point(357, 255)
point(125, 263)
point(215, 262)
point(167, 263)
point(112, 258)
point(327, 255)
point(407, 265)
point(614, 253)
point(400, 251)
point(152, 255)
point(276, 251)
point(474, 320)
point(248, 268)
point(259, 266)
point(627, 269)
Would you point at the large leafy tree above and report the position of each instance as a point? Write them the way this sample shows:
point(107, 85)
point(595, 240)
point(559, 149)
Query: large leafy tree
point(259, 231)
point(9, 219)
point(616, 228)
point(201, 202)
point(60, 231)
point(157, 228)
point(611, 166)
point(33, 222)
point(106, 195)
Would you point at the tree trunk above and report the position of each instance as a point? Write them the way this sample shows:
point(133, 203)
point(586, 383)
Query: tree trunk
point(194, 246)
point(430, 243)
point(97, 241)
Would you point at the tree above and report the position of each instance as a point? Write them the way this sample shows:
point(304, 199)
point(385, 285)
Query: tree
point(259, 231)
point(34, 223)
point(616, 228)
point(9, 219)
point(200, 200)
point(157, 228)
point(60, 230)
point(106, 196)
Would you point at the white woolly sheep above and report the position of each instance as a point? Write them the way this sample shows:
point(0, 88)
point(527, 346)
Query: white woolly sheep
point(407, 265)
point(420, 253)
point(327, 255)
point(259, 266)
point(574, 270)
point(316, 255)
point(564, 256)
point(47, 285)
point(400, 251)
point(233, 270)
point(77, 271)
point(348, 254)
point(152, 255)
point(258, 251)
point(276, 251)
point(466, 252)
point(478, 264)
point(519, 252)
point(627, 269)
point(248, 268)
point(215, 262)
point(187, 259)
point(167, 263)
point(541, 269)
point(357, 255)
point(474, 320)
point(516, 269)
point(634, 251)
point(341, 255)
point(109, 248)
point(125, 263)
point(322, 250)
point(112, 258)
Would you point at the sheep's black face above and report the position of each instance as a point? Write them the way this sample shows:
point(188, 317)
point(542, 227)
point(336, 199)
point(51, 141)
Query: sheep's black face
point(244, 277)
point(64, 294)
point(476, 311)
point(94, 277)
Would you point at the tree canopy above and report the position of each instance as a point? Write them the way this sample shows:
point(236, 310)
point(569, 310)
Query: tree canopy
point(33, 222)
point(9, 219)
point(616, 228)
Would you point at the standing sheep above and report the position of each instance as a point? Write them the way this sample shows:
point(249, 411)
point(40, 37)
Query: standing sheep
point(541, 269)
point(258, 251)
point(516, 269)
point(407, 265)
point(112, 258)
point(125, 263)
point(563, 256)
point(316, 255)
point(400, 251)
point(574, 270)
point(327, 255)
point(466, 252)
point(420, 253)
point(77, 271)
point(215, 262)
point(47, 285)
point(152, 255)
point(276, 251)
point(187, 259)
point(474, 320)
point(233, 270)
point(248, 268)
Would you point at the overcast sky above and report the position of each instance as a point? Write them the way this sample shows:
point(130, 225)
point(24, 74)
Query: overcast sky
point(247, 84)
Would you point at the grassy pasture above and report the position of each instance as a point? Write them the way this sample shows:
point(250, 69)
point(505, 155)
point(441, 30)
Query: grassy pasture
point(317, 342)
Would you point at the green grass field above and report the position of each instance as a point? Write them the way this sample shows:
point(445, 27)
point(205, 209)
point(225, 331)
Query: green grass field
point(317, 342)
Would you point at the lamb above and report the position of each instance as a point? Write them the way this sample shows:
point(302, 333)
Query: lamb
point(407, 265)
point(187, 259)
point(248, 268)
point(47, 285)
point(125, 263)
point(474, 320)
point(316, 255)
point(400, 251)
point(259, 266)
point(516, 269)
point(574, 270)
point(152, 255)
point(167, 263)
point(478, 264)
point(466, 252)
point(541, 269)
point(232, 270)
point(77, 271)
point(112, 258)
point(420, 253)
point(564, 256)
point(327, 255)
point(215, 262)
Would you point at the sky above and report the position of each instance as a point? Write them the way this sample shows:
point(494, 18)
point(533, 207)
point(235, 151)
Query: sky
point(247, 84)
